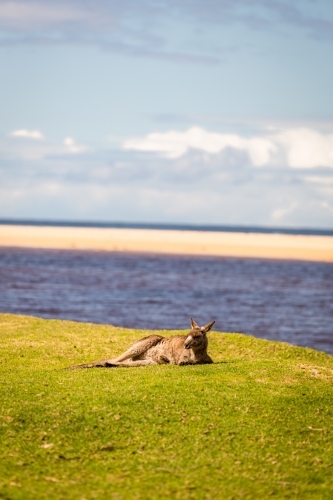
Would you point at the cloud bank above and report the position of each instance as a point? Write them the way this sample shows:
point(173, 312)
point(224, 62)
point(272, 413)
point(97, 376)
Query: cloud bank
point(296, 148)
point(280, 178)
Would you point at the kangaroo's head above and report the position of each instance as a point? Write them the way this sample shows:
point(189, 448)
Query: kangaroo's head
point(197, 339)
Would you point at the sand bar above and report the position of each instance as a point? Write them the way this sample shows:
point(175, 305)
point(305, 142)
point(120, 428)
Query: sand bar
point(276, 246)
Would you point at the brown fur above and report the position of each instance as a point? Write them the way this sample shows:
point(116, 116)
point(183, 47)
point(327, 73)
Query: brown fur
point(190, 349)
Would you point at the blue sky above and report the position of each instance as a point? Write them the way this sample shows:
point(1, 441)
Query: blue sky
point(217, 112)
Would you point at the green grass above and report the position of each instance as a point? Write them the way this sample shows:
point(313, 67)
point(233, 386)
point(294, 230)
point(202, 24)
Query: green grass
point(256, 424)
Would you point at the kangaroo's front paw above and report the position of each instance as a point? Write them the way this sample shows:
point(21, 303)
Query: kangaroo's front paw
point(164, 360)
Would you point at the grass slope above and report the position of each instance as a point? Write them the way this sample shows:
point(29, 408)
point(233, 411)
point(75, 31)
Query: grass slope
point(256, 424)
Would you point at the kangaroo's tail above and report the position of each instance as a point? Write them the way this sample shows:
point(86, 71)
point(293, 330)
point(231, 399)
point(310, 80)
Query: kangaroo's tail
point(96, 364)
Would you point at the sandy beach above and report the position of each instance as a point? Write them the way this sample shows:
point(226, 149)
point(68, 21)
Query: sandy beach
point(276, 246)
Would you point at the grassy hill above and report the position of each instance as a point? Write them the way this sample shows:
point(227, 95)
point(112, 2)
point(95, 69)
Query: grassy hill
point(256, 424)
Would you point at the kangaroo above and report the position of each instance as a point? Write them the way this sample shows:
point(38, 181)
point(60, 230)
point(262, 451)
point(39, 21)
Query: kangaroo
point(190, 349)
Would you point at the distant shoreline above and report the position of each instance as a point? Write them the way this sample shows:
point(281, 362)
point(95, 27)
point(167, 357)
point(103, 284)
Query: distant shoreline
point(170, 241)
point(168, 226)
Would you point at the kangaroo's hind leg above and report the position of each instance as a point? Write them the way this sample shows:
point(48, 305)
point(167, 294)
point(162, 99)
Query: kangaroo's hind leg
point(139, 362)
point(135, 351)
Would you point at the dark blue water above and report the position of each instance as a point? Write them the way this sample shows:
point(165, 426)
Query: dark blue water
point(282, 300)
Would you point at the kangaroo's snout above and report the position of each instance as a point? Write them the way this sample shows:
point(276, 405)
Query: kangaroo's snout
point(194, 341)
point(188, 342)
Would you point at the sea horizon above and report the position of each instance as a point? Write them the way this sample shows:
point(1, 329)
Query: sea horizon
point(229, 228)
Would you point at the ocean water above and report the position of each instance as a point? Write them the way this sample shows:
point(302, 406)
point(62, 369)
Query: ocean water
point(290, 301)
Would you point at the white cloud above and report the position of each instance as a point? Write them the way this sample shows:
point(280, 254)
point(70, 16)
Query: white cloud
point(306, 148)
point(28, 134)
point(175, 144)
point(72, 147)
point(296, 148)
point(36, 148)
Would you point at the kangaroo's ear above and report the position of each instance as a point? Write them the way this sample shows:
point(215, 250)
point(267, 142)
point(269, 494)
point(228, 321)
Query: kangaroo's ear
point(207, 327)
point(194, 324)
